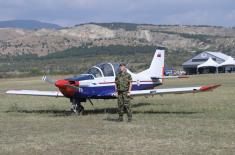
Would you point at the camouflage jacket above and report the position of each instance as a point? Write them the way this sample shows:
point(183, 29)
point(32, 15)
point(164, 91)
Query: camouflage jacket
point(123, 81)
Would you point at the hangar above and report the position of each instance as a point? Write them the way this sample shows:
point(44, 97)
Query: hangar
point(209, 62)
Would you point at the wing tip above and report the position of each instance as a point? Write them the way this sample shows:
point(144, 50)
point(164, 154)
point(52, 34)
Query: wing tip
point(9, 91)
point(210, 87)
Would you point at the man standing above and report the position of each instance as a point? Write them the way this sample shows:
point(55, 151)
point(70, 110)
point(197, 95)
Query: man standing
point(123, 88)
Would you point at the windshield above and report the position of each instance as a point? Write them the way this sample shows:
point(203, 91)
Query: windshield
point(104, 70)
point(95, 72)
point(107, 69)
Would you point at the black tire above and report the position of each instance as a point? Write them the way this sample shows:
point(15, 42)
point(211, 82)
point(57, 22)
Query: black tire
point(80, 110)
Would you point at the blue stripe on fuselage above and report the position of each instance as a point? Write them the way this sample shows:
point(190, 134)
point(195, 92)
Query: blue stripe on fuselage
point(105, 92)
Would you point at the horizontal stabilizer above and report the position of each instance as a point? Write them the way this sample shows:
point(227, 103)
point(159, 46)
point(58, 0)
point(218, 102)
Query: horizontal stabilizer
point(176, 77)
point(171, 77)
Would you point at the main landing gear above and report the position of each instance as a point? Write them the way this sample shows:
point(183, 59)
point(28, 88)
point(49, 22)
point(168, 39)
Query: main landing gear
point(76, 106)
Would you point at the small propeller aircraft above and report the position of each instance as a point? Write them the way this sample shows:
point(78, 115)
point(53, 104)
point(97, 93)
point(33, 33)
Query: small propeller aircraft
point(99, 83)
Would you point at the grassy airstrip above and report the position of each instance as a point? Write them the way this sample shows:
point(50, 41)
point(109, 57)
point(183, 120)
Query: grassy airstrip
point(201, 123)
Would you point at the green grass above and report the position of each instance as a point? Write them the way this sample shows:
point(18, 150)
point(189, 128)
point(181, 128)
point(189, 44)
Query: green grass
point(202, 123)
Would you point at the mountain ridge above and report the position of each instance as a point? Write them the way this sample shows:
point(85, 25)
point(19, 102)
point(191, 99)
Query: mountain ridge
point(28, 24)
point(14, 41)
point(73, 50)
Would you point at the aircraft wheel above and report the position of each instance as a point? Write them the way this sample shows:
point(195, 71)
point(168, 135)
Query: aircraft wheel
point(77, 107)
point(80, 109)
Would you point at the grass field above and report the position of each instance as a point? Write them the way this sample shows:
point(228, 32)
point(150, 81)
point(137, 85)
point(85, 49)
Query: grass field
point(201, 123)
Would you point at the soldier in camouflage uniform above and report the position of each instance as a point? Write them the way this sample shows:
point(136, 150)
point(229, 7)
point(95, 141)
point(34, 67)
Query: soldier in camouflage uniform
point(123, 88)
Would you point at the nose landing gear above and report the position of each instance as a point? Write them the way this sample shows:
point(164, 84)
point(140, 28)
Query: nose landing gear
point(77, 106)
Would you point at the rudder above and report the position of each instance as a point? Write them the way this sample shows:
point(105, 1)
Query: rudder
point(156, 69)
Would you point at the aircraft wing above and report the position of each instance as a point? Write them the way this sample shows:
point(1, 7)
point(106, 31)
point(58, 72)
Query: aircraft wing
point(35, 93)
point(173, 90)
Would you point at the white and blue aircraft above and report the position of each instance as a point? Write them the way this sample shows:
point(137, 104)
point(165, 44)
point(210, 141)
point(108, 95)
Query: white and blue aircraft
point(99, 83)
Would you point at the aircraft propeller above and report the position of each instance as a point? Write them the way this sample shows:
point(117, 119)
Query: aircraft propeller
point(48, 80)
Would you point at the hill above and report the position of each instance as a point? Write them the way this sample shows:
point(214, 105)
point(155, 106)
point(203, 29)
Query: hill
point(174, 37)
point(74, 49)
point(28, 24)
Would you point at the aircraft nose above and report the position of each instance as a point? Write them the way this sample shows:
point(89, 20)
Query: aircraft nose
point(61, 83)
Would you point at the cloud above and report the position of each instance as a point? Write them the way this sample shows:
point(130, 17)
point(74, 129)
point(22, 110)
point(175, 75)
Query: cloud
point(67, 13)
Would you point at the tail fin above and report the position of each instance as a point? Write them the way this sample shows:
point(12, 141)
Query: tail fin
point(156, 69)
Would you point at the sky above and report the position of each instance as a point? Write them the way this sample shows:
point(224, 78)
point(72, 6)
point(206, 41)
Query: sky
point(72, 12)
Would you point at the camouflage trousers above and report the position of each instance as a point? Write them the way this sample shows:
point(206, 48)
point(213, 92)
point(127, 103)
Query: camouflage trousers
point(124, 104)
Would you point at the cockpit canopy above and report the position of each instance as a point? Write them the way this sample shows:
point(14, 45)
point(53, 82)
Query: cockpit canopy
point(104, 70)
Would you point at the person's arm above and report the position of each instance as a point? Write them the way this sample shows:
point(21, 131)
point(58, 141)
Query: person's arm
point(116, 83)
point(116, 92)
point(130, 85)
point(115, 87)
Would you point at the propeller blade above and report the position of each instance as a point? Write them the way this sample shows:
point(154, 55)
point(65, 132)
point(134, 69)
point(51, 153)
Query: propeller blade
point(48, 79)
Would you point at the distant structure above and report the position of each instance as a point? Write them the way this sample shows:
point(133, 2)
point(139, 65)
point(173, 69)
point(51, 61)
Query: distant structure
point(209, 62)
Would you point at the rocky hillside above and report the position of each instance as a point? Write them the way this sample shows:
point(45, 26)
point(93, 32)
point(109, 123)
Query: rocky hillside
point(187, 38)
